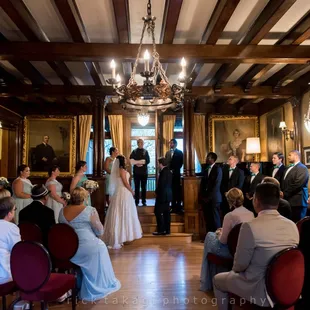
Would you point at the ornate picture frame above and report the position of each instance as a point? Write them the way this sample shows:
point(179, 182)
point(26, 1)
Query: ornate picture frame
point(60, 149)
point(307, 156)
point(228, 133)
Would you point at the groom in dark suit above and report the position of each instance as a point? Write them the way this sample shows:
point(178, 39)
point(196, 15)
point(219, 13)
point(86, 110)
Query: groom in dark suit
point(278, 168)
point(250, 184)
point(163, 198)
point(295, 186)
point(210, 193)
point(174, 159)
point(232, 177)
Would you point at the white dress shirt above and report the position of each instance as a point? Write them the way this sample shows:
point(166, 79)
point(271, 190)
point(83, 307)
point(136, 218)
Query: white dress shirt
point(233, 218)
point(289, 169)
point(275, 170)
point(231, 171)
point(253, 177)
point(9, 236)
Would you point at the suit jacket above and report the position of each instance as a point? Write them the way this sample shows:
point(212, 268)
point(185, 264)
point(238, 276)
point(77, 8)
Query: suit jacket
point(285, 208)
point(44, 150)
point(236, 179)
point(210, 186)
point(259, 240)
point(163, 190)
point(139, 154)
point(295, 186)
point(176, 162)
point(280, 173)
point(248, 187)
point(39, 214)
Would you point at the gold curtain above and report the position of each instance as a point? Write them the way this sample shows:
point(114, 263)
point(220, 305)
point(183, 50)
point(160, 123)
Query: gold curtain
point(85, 126)
point(199, 134)
point(168, 129)
point(116, 128)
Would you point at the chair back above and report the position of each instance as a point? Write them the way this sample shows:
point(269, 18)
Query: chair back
point(287, 267)
point(30, 265)
point(30, 232)
point(300, 223)
point(232, 239)
point(63, 242)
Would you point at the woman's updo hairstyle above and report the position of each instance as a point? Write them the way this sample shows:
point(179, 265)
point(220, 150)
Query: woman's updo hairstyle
point(235, 198)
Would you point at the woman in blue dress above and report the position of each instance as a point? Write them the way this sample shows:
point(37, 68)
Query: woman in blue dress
point(22, 190)
point(79, 178)
point(108, 167)
point(97, 279)
point(216, 243)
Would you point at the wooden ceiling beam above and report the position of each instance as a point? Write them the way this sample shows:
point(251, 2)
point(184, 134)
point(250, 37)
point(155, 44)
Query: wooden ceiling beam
point(295, 36)
point(228, 92)
point(271, 14)
point(7, 78)
point(78, 33)
point(269, 54)
point(219, 19)
point(121, 13)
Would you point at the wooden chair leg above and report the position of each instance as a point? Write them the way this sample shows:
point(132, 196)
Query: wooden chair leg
point(73, 300)
point(4, 302)
point(43, 305)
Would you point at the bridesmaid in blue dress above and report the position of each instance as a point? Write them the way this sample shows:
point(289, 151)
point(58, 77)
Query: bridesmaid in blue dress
point(108, 167)
point(22, 189)
point(97, 279)
point(79, 178)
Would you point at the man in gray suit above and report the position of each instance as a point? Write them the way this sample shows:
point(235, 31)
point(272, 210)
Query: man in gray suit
point(259, 241)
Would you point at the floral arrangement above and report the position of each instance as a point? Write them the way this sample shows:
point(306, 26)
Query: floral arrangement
point(4, 181)
point(66, 196)
point(91, 185)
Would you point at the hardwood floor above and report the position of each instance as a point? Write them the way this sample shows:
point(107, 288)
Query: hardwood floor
point(155, 277)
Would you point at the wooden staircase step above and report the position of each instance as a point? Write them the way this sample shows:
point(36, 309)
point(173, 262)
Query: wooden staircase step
point(174, 227)
point(148, 209)
point(150, 218)
point(168, 239)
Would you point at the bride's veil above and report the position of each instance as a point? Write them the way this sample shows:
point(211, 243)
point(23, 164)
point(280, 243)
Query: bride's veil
point(113, 177)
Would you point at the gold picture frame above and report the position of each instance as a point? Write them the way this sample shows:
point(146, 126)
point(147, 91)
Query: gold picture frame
point(61, 131)
point(228, 133)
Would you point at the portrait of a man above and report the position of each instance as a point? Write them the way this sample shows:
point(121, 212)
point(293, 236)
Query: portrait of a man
point(48, 142)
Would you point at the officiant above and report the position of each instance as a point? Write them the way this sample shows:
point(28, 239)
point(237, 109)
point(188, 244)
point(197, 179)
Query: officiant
point(139, 159)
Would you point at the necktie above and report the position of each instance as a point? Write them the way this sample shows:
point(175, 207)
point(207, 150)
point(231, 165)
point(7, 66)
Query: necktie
point(253, 174)
point(290, 165)
point(275, 167)
point(231, 169)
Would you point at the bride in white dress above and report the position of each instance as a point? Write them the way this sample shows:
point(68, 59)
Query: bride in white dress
point(121, 222)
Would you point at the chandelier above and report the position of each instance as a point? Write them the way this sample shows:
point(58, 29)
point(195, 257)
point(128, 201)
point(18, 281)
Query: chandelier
point(307, 118)
point(153, 94)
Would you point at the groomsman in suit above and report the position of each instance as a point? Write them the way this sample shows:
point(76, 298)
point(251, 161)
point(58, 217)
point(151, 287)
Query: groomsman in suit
point(232, 177)
point(174, 159)
point(278, 168)
point(250, 184)
point(163, 198)
point(295, 186)
point(210, 193)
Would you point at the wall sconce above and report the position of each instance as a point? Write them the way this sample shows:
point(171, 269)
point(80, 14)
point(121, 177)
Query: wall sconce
point(253, 147)
point(286, 132)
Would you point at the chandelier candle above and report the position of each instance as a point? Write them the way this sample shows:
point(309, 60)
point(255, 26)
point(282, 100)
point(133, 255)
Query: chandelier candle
point(183, 65)
point(146, 61)
point(113, 66)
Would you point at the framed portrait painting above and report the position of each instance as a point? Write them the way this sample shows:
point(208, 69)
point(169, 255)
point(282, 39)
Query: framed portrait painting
point(50, 141)
point(227, 135)
point(275, 139)
point(307, 156)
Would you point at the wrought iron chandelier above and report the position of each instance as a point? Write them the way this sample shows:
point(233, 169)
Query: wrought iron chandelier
point(151, 95)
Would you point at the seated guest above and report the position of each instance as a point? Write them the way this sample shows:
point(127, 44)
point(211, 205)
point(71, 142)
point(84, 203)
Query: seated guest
point(9, 236)
point(97, 275)
point(250, 184)
point(216, 243)
point(284, 206)
point(37, 212)
point(259, 240)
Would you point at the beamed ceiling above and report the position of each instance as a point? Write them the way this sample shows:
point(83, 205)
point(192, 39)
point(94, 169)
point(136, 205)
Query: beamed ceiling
point(239, 52)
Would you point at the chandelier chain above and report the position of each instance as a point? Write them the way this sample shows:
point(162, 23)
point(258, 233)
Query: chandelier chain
point(149, 8)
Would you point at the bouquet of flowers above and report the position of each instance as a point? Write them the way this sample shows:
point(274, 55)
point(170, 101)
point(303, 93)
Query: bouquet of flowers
point(66, 196)
point(4, 182)
point(91, 185)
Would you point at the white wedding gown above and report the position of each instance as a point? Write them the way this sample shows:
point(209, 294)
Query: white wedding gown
point(121, 223)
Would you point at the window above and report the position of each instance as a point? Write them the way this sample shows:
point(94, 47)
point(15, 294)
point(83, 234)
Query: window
point(107, 145)
point(89, 157)
point(197, 164)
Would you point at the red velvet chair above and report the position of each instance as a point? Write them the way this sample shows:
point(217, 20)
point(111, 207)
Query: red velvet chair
point(31, 271)
point(6, 289)
point(232, 241)
point(284, 280)
point(30, 232)
point(300, 223)
point(63, 243)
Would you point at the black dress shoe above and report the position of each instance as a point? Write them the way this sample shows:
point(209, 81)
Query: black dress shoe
point(155, 233)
